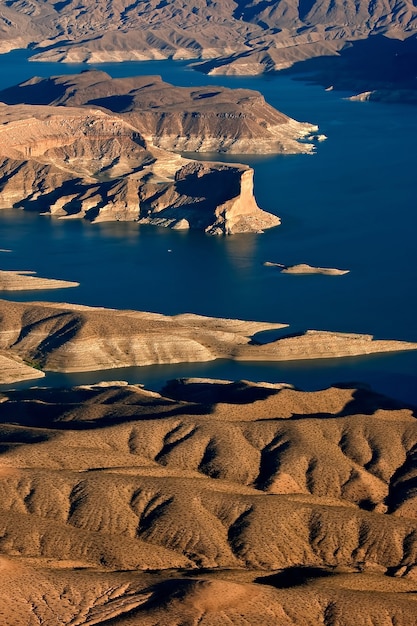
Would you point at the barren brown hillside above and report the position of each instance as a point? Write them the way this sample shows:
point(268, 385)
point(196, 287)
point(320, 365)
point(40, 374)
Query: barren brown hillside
point(258, 505)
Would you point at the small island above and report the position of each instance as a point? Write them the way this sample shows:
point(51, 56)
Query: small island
point(304, 268)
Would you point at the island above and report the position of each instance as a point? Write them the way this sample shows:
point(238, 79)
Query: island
point(305, 268)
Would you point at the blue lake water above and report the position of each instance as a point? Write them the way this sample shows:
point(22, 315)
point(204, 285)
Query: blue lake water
point(351, 205)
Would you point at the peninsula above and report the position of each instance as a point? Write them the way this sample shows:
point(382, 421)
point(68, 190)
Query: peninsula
point(26, 281)
point(73, 338)
point(98, 148)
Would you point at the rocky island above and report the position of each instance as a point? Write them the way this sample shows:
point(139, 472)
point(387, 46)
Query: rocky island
point(305, 268)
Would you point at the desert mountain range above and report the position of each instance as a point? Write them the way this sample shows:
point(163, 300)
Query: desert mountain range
point(243, 36)
point(368, 48)
point(210, 503)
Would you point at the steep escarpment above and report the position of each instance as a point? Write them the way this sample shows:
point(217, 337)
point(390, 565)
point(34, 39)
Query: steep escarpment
point(68, 338)
point(208, 198)
point(213, 500)
point(82, 162)
point(202, 119)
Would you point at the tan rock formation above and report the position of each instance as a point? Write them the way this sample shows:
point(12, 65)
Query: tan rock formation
point(80, 162)
point(317, 344)
point(252, 503)
point(207, 197)
point(70, 338)
point(14, 369)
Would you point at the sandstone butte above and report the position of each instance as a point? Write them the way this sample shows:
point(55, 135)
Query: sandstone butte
point(67, 157)
point(212, 502)
point(73, 338)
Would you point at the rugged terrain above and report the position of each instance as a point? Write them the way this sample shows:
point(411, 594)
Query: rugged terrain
point(243, 36)
point(81, 162)
point(98, 148)
point(183, 119)
point(213, 502)
point(74, 338)
point(359, 46)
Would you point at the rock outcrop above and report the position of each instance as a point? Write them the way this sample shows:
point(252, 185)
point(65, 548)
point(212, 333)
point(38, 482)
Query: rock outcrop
point(305, 268)
point(70, 338)
point(213, 199)
point(14, 369)
point(252, 504)
point(82, 162)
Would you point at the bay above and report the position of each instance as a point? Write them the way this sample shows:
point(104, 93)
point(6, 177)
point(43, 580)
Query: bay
point(351, 205)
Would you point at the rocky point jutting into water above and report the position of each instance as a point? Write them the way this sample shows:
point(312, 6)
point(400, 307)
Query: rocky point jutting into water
point(73, 338)
point(94, 147)
point(197, 119)
point(79, 162)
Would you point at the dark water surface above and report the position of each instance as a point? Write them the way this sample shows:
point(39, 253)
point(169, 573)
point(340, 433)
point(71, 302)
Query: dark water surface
point(351, 205)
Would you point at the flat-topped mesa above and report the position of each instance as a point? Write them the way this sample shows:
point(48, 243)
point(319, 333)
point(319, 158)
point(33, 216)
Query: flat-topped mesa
point(186, 119)
point(86, 163)
point(71, 338)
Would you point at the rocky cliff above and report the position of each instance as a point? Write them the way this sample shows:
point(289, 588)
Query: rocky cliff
point(82, 162)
